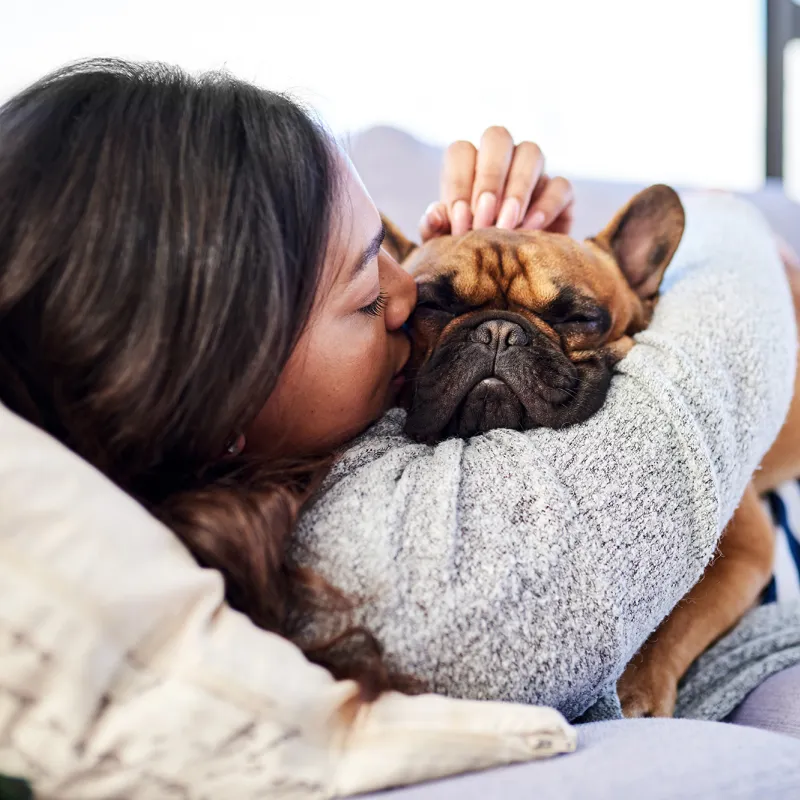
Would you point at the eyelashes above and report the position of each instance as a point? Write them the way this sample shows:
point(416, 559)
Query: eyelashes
point(377, 306)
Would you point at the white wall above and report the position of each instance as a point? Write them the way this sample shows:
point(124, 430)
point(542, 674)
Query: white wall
point(629, 89)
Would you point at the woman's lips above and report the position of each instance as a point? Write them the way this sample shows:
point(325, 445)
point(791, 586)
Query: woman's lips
point(399, 377)
point(397, 382)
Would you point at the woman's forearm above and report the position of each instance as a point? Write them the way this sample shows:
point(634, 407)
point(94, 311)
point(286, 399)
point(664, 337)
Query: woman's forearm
point(530, 566)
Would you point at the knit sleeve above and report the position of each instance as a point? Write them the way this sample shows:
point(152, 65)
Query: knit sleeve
point(531, 566)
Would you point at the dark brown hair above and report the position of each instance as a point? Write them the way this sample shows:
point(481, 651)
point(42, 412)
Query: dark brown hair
point(161, 239)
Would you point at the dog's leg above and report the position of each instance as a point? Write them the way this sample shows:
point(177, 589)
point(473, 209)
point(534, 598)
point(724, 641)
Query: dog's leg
point(782, 462)
point(730, 586)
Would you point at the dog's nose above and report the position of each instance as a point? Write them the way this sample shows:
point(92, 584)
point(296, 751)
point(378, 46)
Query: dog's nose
point(499, 334)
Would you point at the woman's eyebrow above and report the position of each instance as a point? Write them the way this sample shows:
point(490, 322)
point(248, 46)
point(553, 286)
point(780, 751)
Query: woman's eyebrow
point(370, 251)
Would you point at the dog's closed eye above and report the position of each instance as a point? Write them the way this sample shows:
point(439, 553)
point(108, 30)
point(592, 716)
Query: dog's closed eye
point(595, 322)
point(430, 305)
point(439, 299)
point(571, 312)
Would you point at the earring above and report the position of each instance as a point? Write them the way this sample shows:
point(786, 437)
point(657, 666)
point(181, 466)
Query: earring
point(235, 445)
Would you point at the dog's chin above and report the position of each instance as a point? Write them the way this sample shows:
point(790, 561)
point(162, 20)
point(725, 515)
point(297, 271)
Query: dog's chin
point(513, 402)
point(489, 405)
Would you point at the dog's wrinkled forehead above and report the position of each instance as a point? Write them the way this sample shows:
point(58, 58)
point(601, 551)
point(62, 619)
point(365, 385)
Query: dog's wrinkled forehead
point(515, 268)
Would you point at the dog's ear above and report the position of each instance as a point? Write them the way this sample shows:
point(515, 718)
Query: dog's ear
point(395, 243)
point(643, 237)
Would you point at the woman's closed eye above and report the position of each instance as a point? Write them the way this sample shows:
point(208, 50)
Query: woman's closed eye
point(377, 306)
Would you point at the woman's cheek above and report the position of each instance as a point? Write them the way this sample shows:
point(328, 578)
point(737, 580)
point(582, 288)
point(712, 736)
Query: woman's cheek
point(353, 356)
point(359, 346)
point(374, 358)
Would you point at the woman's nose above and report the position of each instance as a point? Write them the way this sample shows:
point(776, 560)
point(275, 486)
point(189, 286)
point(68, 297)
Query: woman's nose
point(401, 291)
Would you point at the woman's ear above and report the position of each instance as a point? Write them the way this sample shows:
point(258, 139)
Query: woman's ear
point(395, 243)
point(643, 237)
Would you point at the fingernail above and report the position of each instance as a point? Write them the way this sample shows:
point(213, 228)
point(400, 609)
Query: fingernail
point(537, 220)
point(462, 217)
point(428, 222)
point(509, 214)
point(434, 214)
point(484, 210)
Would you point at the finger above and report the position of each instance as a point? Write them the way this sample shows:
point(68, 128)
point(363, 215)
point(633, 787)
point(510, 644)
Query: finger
point(533, 217)
point(434, 222)
point(494, 159)
point(523, 176)
point(563, 222)
point(551, 199)
point(458, 176)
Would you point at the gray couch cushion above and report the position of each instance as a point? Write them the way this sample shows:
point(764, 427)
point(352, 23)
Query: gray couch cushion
point(655, 759)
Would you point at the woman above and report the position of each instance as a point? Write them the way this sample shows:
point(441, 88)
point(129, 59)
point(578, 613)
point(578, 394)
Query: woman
point(166, 243)
point(193, 297)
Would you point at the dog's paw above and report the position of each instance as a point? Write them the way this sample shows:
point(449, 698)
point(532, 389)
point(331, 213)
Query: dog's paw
point(647, 690)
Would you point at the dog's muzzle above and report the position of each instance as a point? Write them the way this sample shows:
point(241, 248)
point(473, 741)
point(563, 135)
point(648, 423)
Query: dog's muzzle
point(497, 370)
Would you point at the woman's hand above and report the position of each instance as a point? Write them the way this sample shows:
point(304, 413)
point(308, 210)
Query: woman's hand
point(500, 183)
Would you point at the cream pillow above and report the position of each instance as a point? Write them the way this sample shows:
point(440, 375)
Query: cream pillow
point(123, 674)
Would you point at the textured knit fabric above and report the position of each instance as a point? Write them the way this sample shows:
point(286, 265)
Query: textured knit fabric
point(531, 566)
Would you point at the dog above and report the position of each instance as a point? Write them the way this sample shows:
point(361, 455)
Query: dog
point(523, 329)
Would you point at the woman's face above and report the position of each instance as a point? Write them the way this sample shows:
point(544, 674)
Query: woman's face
point(345, 370)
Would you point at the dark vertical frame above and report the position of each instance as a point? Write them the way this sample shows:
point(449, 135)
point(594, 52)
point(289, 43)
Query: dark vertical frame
point(783, 25)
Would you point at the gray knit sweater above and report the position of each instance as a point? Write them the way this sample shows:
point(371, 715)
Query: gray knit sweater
point(531, 566)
